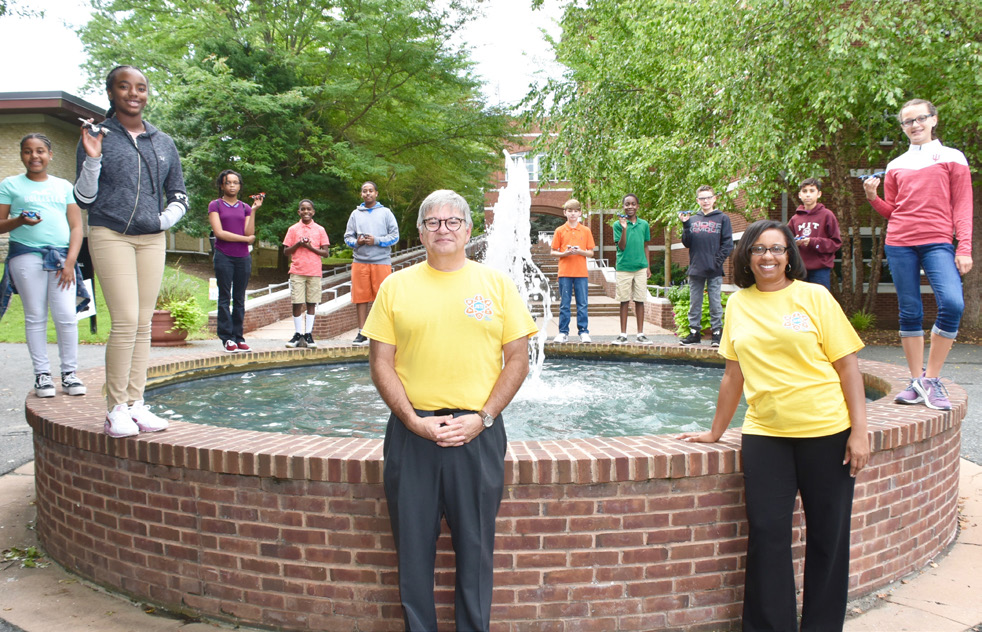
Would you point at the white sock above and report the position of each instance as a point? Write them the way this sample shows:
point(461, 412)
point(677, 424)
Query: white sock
point(298, 323)
point(624, 333)
point(310, 324)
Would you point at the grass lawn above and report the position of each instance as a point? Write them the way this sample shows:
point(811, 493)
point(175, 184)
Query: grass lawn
point(12, 324)
point(331, 261)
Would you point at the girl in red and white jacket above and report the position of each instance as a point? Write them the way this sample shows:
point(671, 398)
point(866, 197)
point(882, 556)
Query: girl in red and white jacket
point(927, 200)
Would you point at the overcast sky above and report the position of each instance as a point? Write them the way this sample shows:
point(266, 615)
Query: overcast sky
point(507, 44)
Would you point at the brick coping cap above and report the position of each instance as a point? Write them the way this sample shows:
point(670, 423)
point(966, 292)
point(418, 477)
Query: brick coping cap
point(78, 422)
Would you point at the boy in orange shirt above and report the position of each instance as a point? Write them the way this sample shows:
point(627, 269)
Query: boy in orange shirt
point(305, 243)
point(573, 243)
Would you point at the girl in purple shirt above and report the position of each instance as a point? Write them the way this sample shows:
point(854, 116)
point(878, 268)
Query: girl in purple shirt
point(234, 225)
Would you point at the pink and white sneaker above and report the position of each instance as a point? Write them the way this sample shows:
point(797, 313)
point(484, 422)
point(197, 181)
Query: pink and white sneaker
point(119, 424)
point(145, 420)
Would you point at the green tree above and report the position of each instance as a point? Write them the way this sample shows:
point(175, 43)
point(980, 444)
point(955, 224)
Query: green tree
point(663, 96)
point(307, 99)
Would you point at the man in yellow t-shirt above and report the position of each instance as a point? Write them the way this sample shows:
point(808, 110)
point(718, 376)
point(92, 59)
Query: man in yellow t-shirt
point(448, 352)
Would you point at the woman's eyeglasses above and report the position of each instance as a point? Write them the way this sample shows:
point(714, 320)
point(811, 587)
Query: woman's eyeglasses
point(774, 250)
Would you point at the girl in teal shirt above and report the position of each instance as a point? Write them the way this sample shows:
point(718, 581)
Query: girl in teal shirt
point(45, 226)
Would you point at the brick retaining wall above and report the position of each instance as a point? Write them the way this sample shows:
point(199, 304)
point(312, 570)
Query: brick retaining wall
point(291, 532)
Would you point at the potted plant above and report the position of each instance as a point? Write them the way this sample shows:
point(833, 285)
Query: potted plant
point(177, 312)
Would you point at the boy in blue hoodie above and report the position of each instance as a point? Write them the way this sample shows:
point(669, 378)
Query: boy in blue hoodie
point(709, 237)
point(371, 232)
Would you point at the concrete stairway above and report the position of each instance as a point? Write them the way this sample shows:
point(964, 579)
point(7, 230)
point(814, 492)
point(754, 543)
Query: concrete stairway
point(600, 303)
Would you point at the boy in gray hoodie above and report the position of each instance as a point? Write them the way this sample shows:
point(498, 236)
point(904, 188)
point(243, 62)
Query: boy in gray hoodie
point(371, 232)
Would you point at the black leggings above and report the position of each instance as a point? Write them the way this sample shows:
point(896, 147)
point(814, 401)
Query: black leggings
point(775, 470)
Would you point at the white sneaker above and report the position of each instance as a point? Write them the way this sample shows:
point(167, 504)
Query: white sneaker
point(119, 423)
point(585, 338)
point(643, 339)
point(145, 420)
point(561, 338)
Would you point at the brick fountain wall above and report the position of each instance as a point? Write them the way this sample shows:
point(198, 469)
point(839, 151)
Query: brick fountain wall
point(291, 532)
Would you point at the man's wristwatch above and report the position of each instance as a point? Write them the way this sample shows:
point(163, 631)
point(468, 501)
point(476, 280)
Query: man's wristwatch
point(487, 419)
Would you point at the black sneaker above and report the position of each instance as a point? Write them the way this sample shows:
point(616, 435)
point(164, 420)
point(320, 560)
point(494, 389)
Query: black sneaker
point(693, 338)
point(309, 339)
point(71, 384)
point(296, 341)
point(717, 336)
point(43, 386)
point(360, 340)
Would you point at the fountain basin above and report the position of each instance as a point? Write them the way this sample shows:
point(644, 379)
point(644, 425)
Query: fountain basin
point(291, 532)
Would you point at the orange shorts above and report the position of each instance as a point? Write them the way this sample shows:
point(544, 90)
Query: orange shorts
point(366, 279)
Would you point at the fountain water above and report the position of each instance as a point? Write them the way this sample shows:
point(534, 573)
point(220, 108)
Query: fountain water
point(509, 249)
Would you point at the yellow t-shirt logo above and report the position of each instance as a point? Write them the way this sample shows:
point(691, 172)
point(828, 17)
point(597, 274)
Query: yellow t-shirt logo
point(479, 307)
point(798, 321)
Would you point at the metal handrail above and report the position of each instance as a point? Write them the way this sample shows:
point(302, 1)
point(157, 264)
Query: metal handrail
point(406, 257)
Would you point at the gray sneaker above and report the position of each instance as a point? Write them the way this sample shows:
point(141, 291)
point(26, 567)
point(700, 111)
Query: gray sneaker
point(642, 340)
point(71, 384)
point(43, 386)
point(620, 340)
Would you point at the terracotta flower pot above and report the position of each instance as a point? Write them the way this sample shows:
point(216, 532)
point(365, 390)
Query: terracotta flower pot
point(160, 330)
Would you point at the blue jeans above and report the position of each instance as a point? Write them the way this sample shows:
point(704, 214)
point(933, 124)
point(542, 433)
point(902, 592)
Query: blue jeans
point(232, 275)
point(714, 287)
point(822, 276)
point(938, 263)
point(567, 286)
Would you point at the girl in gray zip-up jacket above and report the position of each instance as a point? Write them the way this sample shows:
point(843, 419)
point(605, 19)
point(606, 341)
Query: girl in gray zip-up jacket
point(129, 179)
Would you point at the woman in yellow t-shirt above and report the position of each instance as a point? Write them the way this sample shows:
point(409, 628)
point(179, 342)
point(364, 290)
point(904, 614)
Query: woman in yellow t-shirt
point(790, 349)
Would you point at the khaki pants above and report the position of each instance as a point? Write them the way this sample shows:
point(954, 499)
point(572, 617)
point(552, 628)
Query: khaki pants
point(129, 268)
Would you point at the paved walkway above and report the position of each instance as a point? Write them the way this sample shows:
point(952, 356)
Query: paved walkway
point(940, 598)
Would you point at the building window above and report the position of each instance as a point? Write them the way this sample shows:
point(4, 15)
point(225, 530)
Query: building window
point(536, 164)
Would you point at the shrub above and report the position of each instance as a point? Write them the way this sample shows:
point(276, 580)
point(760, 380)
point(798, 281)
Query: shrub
point(679, 275)
point(341, 251)
point(679, 297)
point(863, 320)
point(177, 295)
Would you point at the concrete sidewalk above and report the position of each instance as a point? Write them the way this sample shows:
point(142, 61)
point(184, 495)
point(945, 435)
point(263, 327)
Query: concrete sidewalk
point(941, 598)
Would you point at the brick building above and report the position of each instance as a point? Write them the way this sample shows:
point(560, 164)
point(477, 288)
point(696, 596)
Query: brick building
point(54, 114)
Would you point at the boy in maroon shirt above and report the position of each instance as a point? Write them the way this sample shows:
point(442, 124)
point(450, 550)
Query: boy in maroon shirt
point(816, 231)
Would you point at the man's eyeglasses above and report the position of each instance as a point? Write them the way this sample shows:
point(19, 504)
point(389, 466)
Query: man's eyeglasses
point(704, 198)
point(432, 224)
point(920, 119)
point(774, 250)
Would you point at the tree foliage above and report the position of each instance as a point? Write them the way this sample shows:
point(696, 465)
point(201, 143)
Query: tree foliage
point(307, 99)
point(663, 96)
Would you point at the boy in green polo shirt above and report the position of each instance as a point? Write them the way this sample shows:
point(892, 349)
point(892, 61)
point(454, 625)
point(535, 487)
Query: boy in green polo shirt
point(632, 234)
